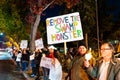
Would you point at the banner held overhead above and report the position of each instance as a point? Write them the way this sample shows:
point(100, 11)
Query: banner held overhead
point(64, 28)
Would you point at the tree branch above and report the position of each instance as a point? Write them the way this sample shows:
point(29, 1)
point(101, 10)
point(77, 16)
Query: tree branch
point(39, 2)
point(48, 5)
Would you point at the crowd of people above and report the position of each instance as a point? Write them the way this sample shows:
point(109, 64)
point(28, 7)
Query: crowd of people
point(105, 67)
point(24, 59)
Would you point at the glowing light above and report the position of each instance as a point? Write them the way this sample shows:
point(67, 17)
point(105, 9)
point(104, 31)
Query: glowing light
point(88, 56)
point(1, 33)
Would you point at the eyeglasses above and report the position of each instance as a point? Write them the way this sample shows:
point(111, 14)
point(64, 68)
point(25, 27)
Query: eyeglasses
point(105, 49)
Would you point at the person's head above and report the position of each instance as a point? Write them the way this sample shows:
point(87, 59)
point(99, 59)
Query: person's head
point(51, 49)
point(82, 49)
point(107, 50)
point(38, 50)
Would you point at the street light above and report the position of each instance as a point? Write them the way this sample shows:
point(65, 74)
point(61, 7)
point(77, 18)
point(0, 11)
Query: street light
point(97, 23)
point(1, 34)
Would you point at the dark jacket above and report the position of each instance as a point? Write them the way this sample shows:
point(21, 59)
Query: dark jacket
point(38, 56)
point(78, 71)
point(113, 69)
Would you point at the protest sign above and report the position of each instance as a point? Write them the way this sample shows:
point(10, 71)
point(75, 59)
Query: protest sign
point(64, 28)
point(23, 44)
point(39, 43)
point(46, 62)
point(32, 57)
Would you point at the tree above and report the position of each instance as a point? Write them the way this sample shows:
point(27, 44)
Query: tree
point(10, 20)
point(14, 16)
point(108, 23)
point(37, 7)
point(87, 10)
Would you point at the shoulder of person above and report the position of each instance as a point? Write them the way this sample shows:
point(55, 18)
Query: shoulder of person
point(117, 61)
point(117, 65)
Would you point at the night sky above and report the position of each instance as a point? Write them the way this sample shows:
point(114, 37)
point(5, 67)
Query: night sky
point(51, 12)
point(113, 8)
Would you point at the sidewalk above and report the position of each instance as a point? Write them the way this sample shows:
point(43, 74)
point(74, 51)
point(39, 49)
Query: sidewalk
point(28, 77)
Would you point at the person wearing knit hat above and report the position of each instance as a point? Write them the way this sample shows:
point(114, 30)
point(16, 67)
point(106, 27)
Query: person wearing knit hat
point(82, 44)
point(77, 70)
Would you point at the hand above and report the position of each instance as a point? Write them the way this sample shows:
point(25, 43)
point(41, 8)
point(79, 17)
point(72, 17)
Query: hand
point(86, 64)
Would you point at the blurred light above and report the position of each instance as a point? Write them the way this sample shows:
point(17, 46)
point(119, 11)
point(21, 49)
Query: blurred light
point(1, 34)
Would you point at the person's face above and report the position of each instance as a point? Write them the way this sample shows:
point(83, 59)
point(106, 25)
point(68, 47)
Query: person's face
point(106, 51)
point(51, 50)
point(82, 49)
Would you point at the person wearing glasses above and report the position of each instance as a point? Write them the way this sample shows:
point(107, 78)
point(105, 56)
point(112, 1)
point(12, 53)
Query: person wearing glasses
point(107, 67)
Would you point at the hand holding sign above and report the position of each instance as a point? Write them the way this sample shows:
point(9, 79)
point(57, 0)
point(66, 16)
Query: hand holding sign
point(88, 56)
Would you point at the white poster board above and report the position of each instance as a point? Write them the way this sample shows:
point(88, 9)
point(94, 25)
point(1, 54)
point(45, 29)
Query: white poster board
point(64, 28)
point(39, 43)
point(46, 62)
point(32, 57)
point(23, 44)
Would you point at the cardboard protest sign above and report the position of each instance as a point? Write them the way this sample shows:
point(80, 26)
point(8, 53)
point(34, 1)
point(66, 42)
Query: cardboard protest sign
point(64, 28)
point(32, 57)
point(46, 62)
point(39, 43)
point(23, 44)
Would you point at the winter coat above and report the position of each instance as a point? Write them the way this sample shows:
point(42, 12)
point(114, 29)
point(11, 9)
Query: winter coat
point(113, 72)
point(78, 71)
